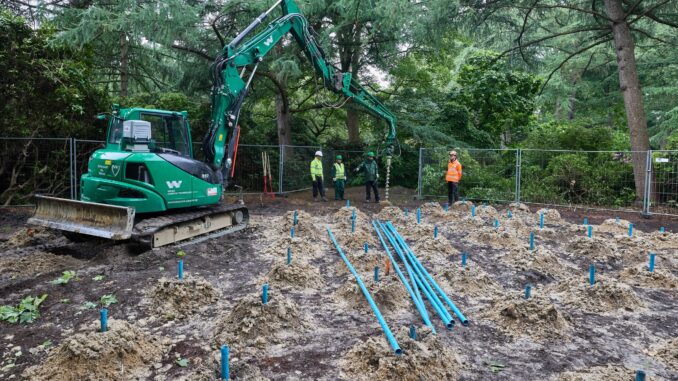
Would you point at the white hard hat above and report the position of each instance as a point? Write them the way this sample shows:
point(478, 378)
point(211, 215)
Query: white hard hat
point(318, 153)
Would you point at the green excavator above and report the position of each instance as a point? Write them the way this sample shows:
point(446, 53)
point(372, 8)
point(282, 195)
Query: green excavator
point(146, 184)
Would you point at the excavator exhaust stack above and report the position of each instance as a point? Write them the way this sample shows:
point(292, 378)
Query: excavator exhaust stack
point(87, 218)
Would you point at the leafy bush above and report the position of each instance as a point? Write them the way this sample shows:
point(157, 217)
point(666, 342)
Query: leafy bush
point(65, 277)
point(26, 312)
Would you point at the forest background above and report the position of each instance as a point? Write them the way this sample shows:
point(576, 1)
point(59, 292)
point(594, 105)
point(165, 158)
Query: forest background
point(594, 75)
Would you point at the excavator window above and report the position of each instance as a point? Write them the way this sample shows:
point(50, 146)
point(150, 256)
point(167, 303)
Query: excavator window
point(168, 133)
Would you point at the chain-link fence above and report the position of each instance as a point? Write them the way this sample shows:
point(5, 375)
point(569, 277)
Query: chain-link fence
point(594, 179)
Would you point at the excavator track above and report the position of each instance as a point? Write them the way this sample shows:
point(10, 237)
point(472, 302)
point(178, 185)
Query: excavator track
point(191, 226)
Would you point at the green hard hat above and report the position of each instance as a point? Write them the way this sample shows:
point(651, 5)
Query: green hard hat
point(339, 157)
point(370, 154)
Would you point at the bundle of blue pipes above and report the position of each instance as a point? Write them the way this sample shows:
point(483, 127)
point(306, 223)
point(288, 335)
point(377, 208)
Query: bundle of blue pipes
point(420, 281)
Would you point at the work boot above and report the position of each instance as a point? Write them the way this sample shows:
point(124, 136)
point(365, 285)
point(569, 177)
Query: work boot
point(367, 200)
point(324, 199)
point(315, 198)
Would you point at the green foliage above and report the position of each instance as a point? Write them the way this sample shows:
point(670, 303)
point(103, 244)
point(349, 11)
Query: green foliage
point(182, 362)
point(107, 300)
point(89, 305)
point(26, 312)
point(65, 277)
point(98, 278)
point(181, 254)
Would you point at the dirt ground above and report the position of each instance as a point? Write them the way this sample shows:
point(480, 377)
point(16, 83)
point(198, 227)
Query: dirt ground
point(318, 326)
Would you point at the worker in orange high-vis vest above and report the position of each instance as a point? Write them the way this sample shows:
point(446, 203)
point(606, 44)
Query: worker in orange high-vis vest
point(453, 176)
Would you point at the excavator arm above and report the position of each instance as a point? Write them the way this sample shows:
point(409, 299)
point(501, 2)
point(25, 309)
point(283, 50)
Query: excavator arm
point(230, 88)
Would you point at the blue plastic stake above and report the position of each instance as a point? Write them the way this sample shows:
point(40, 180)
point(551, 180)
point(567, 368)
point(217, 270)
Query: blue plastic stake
point(348, 203)
point(473, 211)
point(225, 373)
point(590, 231)
point(104, 320)
point(463, 259)
point(413, 332)
point(264, 294)
point(617, 220)
point(651, 267)
point(661, 229)
point(376, 273)
point(292, 232)
point(418, 215)
point(435, 231)
point(496, 223)
point(353, 225)
point(510, 215)
point(586, 221)
point(407, 212)
point(447, 207)
point(592, 274)
point(630, 230)
point(353, 215)
point(541, 220)
point(640, 375)
point(289, 255)
point(531, 240)
point(367, 247)
point(180, 269)
point(295, 218)
point(528, 291)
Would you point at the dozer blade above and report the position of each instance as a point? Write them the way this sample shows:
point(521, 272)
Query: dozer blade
point(88, 218)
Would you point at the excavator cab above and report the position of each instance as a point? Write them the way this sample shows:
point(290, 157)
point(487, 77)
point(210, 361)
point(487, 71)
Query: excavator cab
point(154, 131)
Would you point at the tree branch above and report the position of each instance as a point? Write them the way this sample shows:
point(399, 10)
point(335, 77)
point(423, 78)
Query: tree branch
point(194, 51)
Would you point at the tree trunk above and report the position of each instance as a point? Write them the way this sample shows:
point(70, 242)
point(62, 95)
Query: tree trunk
point(124, 62)
point(630, 88)
point(353, 125)
point(282, 113)
point(572, 104)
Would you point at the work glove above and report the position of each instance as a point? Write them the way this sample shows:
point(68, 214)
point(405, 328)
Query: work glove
point(345, 178)
point(377, 175)
point(334, 179)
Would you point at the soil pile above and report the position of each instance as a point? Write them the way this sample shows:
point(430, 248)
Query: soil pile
point(123, 352)
point(295, 275)
point(176, 299)
point(612, 226)
point(597, 373)
point(605, 295)
point(304, 228)
point(487, 211)
point(343, 230)
point(462, 206)
point(666, 352)
point(537, 317)
point(663, 241)
point(391, 213)
point(431, 209)
point(250, 322)
point(540, 259)
point(389, 293)
point(640, 276)
point(496, 238)
point(436, 250)
point(423, 359)
point(551, 216)
point(470, 281)
point(30, 236)
point(36, 264)
point(593, 249)
point(519, 207)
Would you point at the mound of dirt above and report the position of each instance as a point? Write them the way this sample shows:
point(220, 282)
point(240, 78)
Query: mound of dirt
point(391, 213)
point(305, 227)
point(640, 276)
point(663, 241)
point(423, 359)
point(462, 206)
point(537, 317)
point(605, 295)
point(295, 275)
point(175, 299)
point(551, 216)
point(612, 226)
point(31, 236)
point(343, 229)
point(124, 352)
point(470, 281)
point(303, 248)
point(594, 248)
point(36, 264)
point(389, 293)
point(431, 209)
point(518, 207)
point(498, 239)
point(252, 323)
point(436, 250)
point(666, 352)
point(597, 373)
point(412, 231)
point(487, 211)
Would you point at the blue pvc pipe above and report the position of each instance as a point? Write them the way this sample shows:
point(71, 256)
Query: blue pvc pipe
point(496, 223)
point(590, 231)
point(447, 207)
point(531, 240)
point(225, 372)
point(592, 274)
point(617, 220)
point(295, 218)
point(420, 308)
point(586, 221)
point(413, 332)
point(630, 230)
point(104, 319)
point(264, 294)
point(376, 274)
point(348, 203)
point(435, 231)
point(528, 291)
point(541, 220)
point(180, 269)
point(473, 211)
point(418, 264)
point(510, 215)
point(353, 214)
point(407, 212)
point(640, 375)
point(387, 331)
point(292, 232)
point(463, 259)
point(418, 215)
point(289, 255)
point(367, 247)
point(353, 225)
point(651, 267)
point(661, 229)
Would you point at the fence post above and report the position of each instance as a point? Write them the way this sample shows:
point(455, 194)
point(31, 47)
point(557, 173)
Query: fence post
point(648, 184)
point(421, 168)
point(519, 159)
point(281, 166)
point(71, 165)
point(76, 180)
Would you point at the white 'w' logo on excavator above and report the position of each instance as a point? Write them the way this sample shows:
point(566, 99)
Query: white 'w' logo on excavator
point(268, 41)
point(173, 184)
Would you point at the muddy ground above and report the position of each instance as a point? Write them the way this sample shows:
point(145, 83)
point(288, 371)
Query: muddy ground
point(317, 324)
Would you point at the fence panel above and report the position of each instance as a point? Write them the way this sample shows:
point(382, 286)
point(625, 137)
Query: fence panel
point(351, 160)
point(249, 170)
point(599, 179)
point(31, 166)
point(488, 174)
point(296, 173)
point(663, 187)
point(83, 150)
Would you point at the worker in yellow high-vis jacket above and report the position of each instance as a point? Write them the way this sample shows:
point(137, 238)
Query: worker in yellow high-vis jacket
point(317, 176)
point(339, 178)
